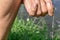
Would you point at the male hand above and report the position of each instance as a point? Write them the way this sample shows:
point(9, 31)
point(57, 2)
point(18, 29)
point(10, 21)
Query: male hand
point(39, 7)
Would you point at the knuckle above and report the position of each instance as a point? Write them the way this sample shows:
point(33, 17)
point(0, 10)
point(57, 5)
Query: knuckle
point(31, 14)
point(39, 13)
point(44, 11)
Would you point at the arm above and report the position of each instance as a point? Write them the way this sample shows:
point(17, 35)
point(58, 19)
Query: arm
point(8, 11)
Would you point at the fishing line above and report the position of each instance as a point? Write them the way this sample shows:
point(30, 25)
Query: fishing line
point(53, 27)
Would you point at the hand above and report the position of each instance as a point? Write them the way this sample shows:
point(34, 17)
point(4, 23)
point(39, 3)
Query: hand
point(39, 7)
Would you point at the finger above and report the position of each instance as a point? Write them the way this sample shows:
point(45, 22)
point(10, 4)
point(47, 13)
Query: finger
point(50, 7)
point(30, 7)
point(38, 9)
point(43, 7)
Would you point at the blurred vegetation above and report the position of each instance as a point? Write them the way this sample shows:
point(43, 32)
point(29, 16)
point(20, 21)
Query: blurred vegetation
point(28, 30)
point(57, 35)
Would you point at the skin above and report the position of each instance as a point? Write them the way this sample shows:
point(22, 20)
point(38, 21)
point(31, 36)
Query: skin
point(8, 12)
point(39, 7)
point(9, 9)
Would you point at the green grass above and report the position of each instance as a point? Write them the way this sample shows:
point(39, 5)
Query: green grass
point(27, 30)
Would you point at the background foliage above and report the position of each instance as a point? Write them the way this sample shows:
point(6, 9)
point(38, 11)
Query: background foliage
point(27, 30)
